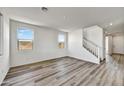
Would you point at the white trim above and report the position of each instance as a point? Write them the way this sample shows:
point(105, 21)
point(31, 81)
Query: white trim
point(1, 34)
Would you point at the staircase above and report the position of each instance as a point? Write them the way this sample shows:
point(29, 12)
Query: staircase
point(92, 48)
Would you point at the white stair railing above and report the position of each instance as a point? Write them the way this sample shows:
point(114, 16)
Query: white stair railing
point(92, 48)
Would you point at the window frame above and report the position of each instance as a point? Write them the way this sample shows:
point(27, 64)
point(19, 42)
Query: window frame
point(32, 40)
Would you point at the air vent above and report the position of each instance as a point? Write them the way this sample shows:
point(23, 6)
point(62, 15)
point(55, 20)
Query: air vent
point(44, 9)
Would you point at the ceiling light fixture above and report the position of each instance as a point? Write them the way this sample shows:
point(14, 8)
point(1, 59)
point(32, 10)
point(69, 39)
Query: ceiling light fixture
point(110, 24)
point(44, 9)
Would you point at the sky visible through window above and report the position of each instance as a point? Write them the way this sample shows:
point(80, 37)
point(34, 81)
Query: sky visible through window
point(61, 38)
point(24, 33)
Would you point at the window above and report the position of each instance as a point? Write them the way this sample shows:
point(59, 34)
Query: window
point(1, 35)
point(25, 39)
point(61, 40)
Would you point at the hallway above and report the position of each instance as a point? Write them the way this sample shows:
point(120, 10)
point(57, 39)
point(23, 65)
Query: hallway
point(116, 61)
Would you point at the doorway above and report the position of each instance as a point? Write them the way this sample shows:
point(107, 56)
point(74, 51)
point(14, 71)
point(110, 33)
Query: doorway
point(108, 45)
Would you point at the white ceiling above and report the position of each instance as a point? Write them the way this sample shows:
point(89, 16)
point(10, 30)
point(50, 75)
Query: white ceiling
point(71, 18)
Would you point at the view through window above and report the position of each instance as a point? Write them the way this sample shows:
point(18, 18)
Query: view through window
point(25, 39)
point(61, 40)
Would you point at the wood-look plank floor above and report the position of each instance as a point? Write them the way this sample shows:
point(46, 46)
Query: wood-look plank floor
point(68, 72)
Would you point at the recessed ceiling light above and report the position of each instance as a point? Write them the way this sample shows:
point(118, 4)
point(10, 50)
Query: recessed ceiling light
point(110, 24)
point(44, 9)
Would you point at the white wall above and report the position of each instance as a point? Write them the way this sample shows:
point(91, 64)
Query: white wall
point(4, 59)
point(96, 35)
point(45, 45)
point(109, 46)
point(76, 49)
point(118, 44)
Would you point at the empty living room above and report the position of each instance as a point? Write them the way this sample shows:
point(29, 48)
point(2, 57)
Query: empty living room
point(61, 46)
